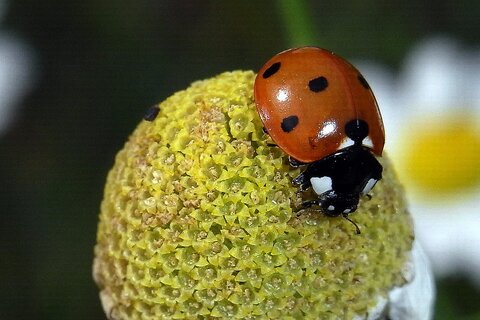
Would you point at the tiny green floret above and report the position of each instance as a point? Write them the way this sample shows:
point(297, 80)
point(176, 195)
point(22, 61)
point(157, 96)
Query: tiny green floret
point(200, 220)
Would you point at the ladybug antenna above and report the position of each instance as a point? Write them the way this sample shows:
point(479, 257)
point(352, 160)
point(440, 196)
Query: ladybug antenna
point(357, 231)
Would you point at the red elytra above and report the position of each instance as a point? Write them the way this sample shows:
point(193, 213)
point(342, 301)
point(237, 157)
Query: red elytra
point(306, 96)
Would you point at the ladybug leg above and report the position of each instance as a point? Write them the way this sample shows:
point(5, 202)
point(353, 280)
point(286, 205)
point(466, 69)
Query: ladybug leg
point(310, 203)
point(268, 143)
point(303, 187)
point(295, 163)
point(302, 181)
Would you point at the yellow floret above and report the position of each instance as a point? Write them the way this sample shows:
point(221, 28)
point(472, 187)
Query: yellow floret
point(200, 220)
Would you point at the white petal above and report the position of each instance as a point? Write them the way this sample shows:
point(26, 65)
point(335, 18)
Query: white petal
point(378, 311)
point(414, 301)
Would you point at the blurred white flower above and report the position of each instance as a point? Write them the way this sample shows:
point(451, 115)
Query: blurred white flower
point(431, 112)
point(16, 76)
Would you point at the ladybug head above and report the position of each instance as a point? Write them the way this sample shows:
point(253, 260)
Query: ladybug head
point(338, 204)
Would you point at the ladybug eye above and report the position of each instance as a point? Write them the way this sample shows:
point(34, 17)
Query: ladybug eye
point(271, 70)
point(363, 82)
point(318, 84)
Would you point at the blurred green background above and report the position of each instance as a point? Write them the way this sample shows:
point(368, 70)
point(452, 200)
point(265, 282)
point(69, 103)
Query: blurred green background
point(100, 64)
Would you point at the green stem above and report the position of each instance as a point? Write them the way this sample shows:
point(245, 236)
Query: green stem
point(298, 22)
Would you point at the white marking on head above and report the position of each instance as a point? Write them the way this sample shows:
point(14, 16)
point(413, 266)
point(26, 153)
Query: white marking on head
point(369, 186)
point(367, 142)
point(321, 185)
point(346, 211)
point(330, 208)
point(347, 142)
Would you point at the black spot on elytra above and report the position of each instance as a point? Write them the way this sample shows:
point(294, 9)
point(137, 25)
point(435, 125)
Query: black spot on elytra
point(271, 70)
point(151, 113)
point(318, 84)
point(363, 82)
point(356, 130)
point(289, 123)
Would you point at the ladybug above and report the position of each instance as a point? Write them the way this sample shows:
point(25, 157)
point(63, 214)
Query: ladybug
point(320, 110)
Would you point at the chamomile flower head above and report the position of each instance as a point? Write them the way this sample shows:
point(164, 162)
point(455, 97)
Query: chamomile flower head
point(200, 220)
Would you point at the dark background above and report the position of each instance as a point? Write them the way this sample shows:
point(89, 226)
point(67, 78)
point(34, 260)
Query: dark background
point(101, 63)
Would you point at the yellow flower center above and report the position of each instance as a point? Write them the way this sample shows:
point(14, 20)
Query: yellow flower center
point(441, 156)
